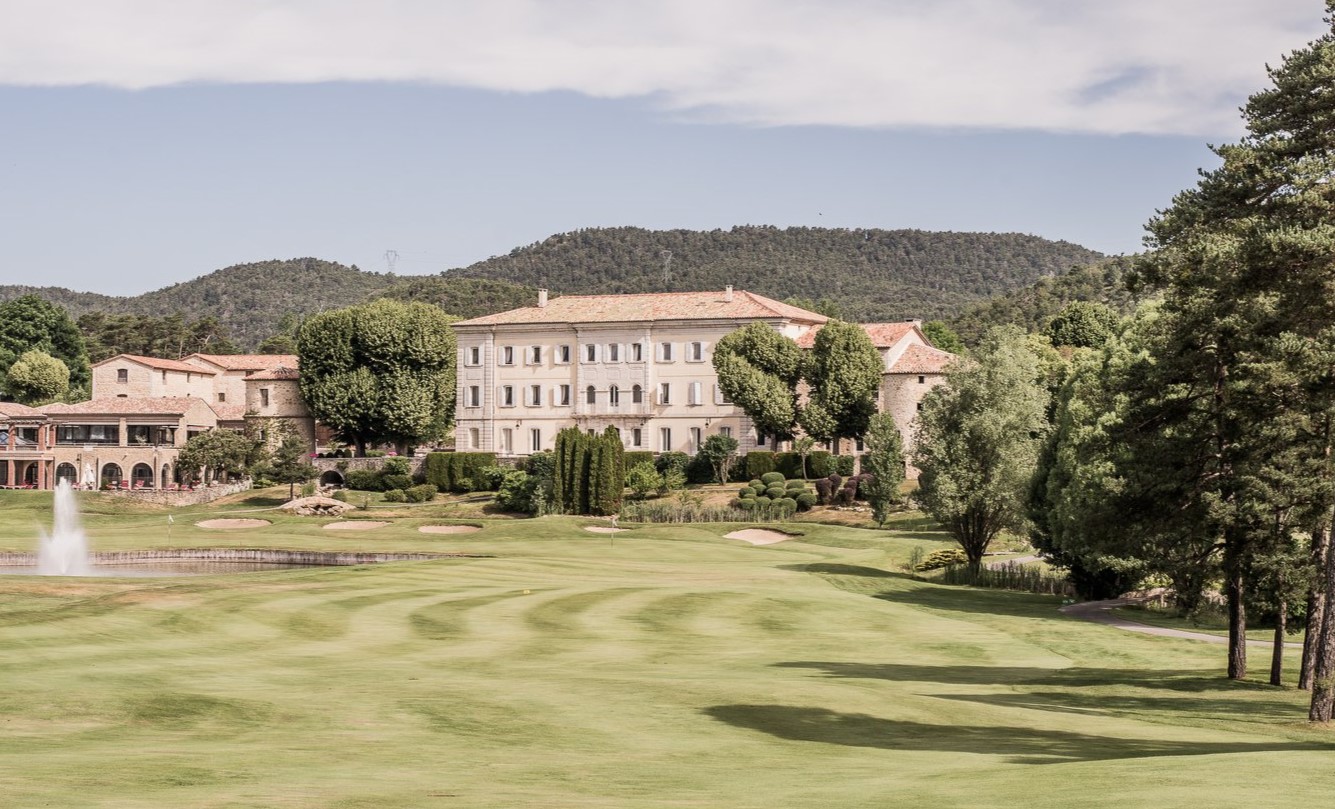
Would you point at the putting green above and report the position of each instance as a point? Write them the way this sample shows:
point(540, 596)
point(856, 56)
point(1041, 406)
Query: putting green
point(672, 668)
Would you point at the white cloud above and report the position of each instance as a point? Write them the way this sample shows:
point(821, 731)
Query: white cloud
point(1119, 66)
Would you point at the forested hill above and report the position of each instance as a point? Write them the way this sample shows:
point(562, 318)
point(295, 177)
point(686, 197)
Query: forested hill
point(869, 274)
point(865, 274)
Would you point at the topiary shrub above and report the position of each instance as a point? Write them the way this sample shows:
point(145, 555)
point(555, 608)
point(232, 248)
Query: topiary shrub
point(820, 464)
point(757, 484)
point(945, 557)
point(746, 491)
point(771, 478)
point(805, 501)
point(737, 503)
point(823, 491)
point(397, 481)
point(775, 492)
point(758, 462)
point(396, 496)
point(761, 500)
point(364, 480)
point(844, 464)
point(786, 503)
point(747, 503)
point(420, 494)
point(795, 485)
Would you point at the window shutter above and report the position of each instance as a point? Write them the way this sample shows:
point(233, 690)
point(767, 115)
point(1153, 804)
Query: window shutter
point(695, 393)
point(718, 394)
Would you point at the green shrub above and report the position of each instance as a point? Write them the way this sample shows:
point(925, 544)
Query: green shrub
point(757, 484)
point(788, 464)
point(805, 501)
point(795, 485)
point(364, 480)
point(747, 503)
point(787, 503)
point(672, 460)
point(758, 462)
point(762, 500)
point(445, 470)
point(396, 466)
point(771, 478)
point(462, 485)
point(396, 496)
point(738, 469)
point(375, 453)
point(746, 491)
point(844, 464)
point(699, 470)
point(643, 479)
point(820, 464)
point(518, 492)
point(490, 478)
point(774, 492)
point(397, 481)
point(341, 496)
point(737, 502)
point(945, 557)
point(634, 459)
point(420, 494)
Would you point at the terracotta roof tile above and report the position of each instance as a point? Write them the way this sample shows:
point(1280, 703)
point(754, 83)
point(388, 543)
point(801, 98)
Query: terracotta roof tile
point(279, 374)
point(248, 362)
point(14, 410)
point(229, 412)
point(921, 359)
point(650, 307)
point(883, 335)
point(124, 405)
point(161, 364)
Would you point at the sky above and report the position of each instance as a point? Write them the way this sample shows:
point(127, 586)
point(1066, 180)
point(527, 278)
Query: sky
point(148, 142)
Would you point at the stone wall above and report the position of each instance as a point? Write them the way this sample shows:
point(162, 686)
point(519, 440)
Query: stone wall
point(204, 494)
point(341, 466)
point(267, 555)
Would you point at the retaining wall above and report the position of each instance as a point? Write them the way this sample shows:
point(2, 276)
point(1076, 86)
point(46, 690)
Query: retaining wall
point(268, 555)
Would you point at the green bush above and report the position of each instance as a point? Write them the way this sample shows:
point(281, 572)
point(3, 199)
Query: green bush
point(844, 464)
point(945, 557)
point(397, 481)
point(771, 478)
point(747, 503)
point(672, 460)
point(788, 464)
point(643, 479)
point(820, 464)
point(738, 503)
point(341, 496)
point(738, 469)
point(762, 500)
point(445, 470)
point(518, 492)
point(775, 492)
point(787, 503)
point(396, 466)
point(462, 485)
point(758, 462)
point(757, 484)
point(634, 459)
point(795, 485)
point(364, 480)
point(805, 501)
point(420, 494)
point(490, 478)
point(396, 496)
point(746, 491)
point(699, 470)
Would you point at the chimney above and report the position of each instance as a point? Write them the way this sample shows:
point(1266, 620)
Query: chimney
point(727, 293)
point(542, 299)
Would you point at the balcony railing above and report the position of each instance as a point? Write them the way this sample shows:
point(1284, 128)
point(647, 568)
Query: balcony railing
point(624, 408)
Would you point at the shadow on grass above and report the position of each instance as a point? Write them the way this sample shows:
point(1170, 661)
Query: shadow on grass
point(1020, 745)
point(1209, 706)
point(977, 600)
point(828, 569)
point(1185, 680)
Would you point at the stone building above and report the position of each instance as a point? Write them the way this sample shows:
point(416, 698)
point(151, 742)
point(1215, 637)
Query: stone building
point(274, 395)
point(643, 364)
point(26, 437)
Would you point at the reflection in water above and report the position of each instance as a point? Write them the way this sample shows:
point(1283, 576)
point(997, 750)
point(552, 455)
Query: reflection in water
point(166, 567)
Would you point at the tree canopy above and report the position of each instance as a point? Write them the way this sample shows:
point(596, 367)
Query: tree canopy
point(37, 378)
point(380, 372)
point(30, 323)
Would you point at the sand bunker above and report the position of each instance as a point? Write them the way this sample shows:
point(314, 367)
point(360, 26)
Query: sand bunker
point(354, 525)
point(759, 536)
point(232, 524)
point(449, 529)
point(604, 529)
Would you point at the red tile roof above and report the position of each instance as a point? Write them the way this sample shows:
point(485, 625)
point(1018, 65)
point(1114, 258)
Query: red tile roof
point(248, 362)
point(14, 410)
point(921, 359)
point(161, 364)
point(279, 374)
point(650, 307)
point(124, 405)
point(883, 335)
point(229, 412)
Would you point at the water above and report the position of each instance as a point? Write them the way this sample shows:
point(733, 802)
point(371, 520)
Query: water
point(65, 551)
point(158, 569)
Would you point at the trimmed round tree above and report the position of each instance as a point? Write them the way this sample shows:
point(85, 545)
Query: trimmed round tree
point(38, 378)
point(382, 372)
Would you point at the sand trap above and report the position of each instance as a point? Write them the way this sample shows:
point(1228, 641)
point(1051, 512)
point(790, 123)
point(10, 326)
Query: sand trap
point(449, 529)
point(604, 529)
point(354, 525)
point(759, 536)
point(232, 524)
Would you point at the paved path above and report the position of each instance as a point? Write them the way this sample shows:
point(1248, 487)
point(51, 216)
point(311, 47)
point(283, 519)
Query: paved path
point(1018, 560)
point(1100, 612)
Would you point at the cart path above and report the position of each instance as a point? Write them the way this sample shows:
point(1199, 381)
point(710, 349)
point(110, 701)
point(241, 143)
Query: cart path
point(1100, 612)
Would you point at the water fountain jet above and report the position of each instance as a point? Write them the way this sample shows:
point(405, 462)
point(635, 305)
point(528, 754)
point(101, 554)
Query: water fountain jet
point(65, 551)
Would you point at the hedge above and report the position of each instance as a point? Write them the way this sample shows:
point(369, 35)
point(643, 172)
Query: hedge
point(447, 471)
point(758, 462)
point(820, 464)
point(637, 457)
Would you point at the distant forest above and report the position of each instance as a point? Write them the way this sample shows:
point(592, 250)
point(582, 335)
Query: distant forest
point(863, 274)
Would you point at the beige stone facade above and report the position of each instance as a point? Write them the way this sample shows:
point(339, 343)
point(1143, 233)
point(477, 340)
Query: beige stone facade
point(640, 363)
point(274, 396)
point(130, 376)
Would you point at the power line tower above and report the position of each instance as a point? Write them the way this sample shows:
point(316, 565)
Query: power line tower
point(391, 259)
point(666, 255)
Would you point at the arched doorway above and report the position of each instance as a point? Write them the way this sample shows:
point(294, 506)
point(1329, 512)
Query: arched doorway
point(141, 476)
point(166, 479)
point(66, 473)
point(4, 474)
point(331, 478)
point(112, 476)
point(30, 475)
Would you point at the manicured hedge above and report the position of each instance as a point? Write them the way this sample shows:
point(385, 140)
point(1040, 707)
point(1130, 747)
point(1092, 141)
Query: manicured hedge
point(450, 471)
point(637, 457)
point(758, 462)
point(820, 464)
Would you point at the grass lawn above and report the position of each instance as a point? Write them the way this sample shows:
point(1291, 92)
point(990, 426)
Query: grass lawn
point(661, 667)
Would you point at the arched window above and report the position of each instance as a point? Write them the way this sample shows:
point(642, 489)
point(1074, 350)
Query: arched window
point(637, 395)
point(614, 396)
point(141, 476)
point(112, 475)
point(67, 473)
point(590, 395)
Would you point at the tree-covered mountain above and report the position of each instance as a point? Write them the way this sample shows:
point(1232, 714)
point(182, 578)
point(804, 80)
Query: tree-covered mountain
point(1034, 306)
point(870, 274)
point(865, 274)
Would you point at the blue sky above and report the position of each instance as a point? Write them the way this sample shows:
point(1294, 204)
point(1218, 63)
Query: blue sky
point(133, 156)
